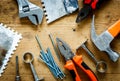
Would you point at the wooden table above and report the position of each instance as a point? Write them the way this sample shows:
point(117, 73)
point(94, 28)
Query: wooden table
point(63, 28)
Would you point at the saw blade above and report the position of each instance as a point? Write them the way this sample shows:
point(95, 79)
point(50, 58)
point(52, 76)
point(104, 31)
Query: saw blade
point(9, 40)
point(55, 9)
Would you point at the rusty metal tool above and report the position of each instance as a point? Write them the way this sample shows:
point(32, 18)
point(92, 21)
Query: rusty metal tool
point(72, 59)
point(102, 42)
point(28, 58)
point(17, 78)
point(56, 51)
point(101, 65)
point(28, 9)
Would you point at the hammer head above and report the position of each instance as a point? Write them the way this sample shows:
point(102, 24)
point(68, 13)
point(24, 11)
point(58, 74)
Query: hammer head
point(102, 42)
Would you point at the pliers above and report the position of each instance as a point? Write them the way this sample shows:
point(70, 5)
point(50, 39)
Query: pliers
point(33, 12)
point(72, 59)
point(89, 6)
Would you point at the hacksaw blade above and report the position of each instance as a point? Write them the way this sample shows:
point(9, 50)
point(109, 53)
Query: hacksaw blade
point(55, 9)
point(9, 40)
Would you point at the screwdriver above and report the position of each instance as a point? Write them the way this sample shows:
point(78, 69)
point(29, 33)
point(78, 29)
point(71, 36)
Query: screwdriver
point(17, 78)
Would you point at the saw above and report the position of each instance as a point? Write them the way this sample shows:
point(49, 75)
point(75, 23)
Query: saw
point(9, 39)
point(55, 9)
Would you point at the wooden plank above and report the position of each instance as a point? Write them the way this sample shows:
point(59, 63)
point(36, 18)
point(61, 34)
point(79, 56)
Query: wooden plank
point(63, 28)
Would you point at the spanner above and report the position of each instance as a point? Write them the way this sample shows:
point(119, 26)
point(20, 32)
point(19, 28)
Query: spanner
point(33, 12)
point(28, 58)
point(101, 66)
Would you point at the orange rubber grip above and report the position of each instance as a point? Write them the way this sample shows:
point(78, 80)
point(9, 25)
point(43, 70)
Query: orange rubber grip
point(114, 30)
point(78, 60)
point(71, 67)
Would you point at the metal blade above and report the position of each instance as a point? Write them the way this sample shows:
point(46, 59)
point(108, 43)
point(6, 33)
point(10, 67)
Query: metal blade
point(93, 33)
point(15, 37)
point(64, 49)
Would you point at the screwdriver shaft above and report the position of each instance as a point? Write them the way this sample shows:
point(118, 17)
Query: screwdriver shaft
point(17, 70)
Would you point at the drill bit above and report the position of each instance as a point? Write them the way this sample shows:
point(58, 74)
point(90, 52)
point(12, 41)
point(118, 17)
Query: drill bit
point(17, 78)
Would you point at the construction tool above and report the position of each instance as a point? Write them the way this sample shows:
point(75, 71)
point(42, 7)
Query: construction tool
point(102, 42)
point(28, 58)
point(89, 6)
point(9, 40)
point(101, 66)
point(17, 78)
point(55, 9)
point(71, 58)
point(56, 51)
point(28, 9)
point(48, 59)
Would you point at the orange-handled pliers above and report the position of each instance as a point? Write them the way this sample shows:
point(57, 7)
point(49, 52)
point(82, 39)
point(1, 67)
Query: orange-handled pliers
point(72, 59)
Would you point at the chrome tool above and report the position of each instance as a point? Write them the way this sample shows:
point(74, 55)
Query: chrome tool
point(28, 58)
point(9, 40)
point(72, 60)
point(28, 9)
point(55, 9)
point(102, 42)
point(101, 66)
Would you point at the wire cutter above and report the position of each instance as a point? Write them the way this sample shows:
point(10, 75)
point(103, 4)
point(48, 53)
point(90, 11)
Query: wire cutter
point(89, 6)
point(72, 59)
point(33, 12)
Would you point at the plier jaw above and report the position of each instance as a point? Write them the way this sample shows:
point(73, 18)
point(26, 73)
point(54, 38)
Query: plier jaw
point(72, 59)
point(64, 49)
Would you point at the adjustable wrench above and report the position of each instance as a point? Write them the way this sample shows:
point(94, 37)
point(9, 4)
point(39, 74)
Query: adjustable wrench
point(33, 12)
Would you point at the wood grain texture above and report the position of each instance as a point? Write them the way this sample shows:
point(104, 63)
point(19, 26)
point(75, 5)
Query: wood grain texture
point(63, 28)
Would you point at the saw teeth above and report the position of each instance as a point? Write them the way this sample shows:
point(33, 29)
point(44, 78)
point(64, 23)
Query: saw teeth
point(16, 39)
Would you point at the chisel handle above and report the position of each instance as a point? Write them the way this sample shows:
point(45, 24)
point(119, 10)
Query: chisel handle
point(114, 30)
point(78, 60)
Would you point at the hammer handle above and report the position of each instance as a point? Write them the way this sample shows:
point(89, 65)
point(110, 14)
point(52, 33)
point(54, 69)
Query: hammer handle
point(114, 30)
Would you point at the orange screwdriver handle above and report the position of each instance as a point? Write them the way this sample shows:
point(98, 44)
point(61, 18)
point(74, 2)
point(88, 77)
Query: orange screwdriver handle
point(71, 67)
point(114, 30)
point(78, 60)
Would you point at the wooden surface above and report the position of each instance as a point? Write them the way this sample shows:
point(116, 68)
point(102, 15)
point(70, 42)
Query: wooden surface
point(63, 28)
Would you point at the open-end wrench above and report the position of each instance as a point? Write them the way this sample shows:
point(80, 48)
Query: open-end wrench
point(101, 66)
point(102, 42)
point(28, 58)
point(33, 12)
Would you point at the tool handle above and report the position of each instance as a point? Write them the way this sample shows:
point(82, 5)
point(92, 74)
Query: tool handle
point(78, 60)
point(114, 30)
point(71, 67)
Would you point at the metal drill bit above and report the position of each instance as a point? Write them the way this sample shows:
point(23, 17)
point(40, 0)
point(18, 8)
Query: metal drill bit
point(17, 78)
point(56, 51)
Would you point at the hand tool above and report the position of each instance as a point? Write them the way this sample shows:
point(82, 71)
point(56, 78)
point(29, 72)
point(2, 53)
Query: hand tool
point(9, 40)
point(48, 59)
point(28, 58)
point(89, 6)
point(71, 58)
point(101, 66)
point(28, 9)
point(56, 51)
point(102, 42)
point(55, 9)
point(17, 78)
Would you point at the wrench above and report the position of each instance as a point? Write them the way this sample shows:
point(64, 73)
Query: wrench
point(33, 12)
point(28, 58)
